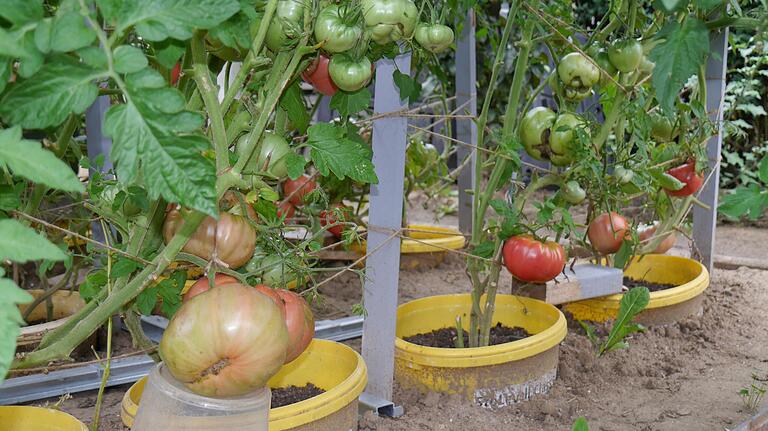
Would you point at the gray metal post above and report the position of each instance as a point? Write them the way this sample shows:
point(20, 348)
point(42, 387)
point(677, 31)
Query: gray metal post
point(98, 144)
point(705, 220)
point(466, 130)
point(386, 212)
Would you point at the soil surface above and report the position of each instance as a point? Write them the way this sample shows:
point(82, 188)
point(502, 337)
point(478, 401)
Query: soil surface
point(294, 394)
point(629, 283)
point(447, 337)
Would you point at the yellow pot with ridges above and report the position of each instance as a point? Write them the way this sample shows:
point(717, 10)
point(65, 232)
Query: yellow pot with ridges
point(666, 306)
point(28, 418)
point(493, 376)
point(331, 366)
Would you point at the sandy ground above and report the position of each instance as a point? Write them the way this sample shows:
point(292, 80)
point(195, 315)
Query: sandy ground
point(681, 377)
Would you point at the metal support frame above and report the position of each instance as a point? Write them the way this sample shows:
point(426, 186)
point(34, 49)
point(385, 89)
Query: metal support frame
point(386, 215)
point(705, 220)
point(466, 129)
point(98, 145)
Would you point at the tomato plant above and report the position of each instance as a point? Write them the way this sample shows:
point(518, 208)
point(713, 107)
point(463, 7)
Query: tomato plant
point(686, 174)
point(295, 190)
point(227, 342)
point(607, 231)
point(531, 260)
point(334, 218)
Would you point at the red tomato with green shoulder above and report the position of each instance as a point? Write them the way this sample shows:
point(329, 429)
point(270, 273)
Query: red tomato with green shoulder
point(203, 285)
point(317, 75)
point(295, 190)
point(531, 260)
point(607, 231)
point(687, 175)
point(328, 217)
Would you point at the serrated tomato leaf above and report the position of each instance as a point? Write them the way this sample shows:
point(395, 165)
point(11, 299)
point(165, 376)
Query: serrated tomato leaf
point(409, 88)
point(332, 151)
point(64, 86)
point(10, 321)
point(21, 244)
point(351, 103)
point(749, 201)
point(293, 104)
point(678, 57)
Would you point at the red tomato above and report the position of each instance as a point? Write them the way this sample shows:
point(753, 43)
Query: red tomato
point(607, 232)
point(202, 285)
point(665, 245)
point(317, 75)
point(286, 208)
point(327, 217)
point(272, 293)
point(687, 175)
point(531, 260)
point(175, 73)
point(226, 343)
point(298, 188)
point(300, 323)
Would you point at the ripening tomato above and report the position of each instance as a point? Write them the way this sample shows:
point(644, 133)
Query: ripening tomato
point(531, 260)
point(647, 232)
point(607, 232)
point(317, 75)
point(328, 217)
point(687, 175)
point(272, 293)
point(226, 343)
point(203, 285)
point(286, 209)
point(300, 323)
point(295, 190)
point(175, 73)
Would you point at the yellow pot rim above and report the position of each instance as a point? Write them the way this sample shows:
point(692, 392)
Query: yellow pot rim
point(449, 239)
point(483, 356)
point(293, 415)
point(327, 403)
point(41, 417)
point(666, 297)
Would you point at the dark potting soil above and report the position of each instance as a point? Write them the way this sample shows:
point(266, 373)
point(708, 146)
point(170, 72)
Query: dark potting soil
point(294, 394)
point(653, 287)
point(446, 337)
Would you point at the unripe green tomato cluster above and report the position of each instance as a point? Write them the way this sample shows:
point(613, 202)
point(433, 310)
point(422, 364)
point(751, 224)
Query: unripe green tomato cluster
point(549, 136)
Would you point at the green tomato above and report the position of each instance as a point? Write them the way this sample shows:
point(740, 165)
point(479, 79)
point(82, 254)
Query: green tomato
point(276, 272)
point(573, 193)
point(577, 71)
point(390, 20)
point(562, 139)
point(626, 55)
point(434, 38)
point(348, 74)
point(646, 66)
point(623, 175)
point(271, 157)
point(662, 129)
point(534, 131)
point(286, 25)
point(337, 35)
point(218, 49)
point(607, 69)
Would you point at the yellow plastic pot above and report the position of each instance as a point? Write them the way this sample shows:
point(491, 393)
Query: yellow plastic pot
point(425, 247)
point(666, 306)
point(493, 376)
point(331, 366)
point(28, 418)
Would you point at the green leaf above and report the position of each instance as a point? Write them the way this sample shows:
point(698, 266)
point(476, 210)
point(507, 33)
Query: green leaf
point(485, 249)
point(123, 268)
point(28, 159)
point(632, 303)
point(10, 321)
point(351, 103)
point(665, 180)
point(622, 256)
point(762, 171)
point(151, 132)
point(177, 19)
point(170, 292)
point(669, 6)
point(5, 72)
point(9, 198)
point(129, 59)
point(295, 164)
point(745, 201)
point(332, 151)
point(46, 99)
point(93, 284)
point(94, 57)
point(589, 330)
point(22, 11)
point(677, 58)
point(168, 52)
point(409, 88)
point(70, 32)
point(580, 424)
point(234, 32)
point(22, 244)
point(147, 299)
point(293, 103)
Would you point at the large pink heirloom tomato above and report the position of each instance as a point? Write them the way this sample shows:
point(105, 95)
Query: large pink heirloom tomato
point(226, 342)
